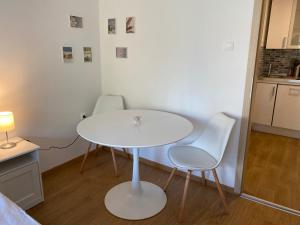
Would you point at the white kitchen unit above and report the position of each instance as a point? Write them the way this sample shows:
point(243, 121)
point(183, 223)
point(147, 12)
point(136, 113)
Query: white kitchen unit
point(264, 22)
point(287, 107)
point(294, 33)
point(20, 177)
point(279, 24)
point(264, 103)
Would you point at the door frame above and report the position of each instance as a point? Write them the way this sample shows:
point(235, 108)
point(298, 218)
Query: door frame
point(256, 34)
point(248, 94)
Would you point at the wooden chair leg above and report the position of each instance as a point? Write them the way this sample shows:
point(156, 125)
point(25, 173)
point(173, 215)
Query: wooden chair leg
point(186, 186)
point(220, 190)
point(85, 157)
point(126, 153)
point(170, 178)
point(97, 149)
point(203, 178)
point(114, 161)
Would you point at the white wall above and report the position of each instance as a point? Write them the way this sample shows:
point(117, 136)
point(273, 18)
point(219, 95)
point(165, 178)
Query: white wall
point(46, 94)
point(176, 62)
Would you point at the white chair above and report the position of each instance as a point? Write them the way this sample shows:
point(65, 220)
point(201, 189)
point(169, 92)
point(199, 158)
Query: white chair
point(204, 154)
point(106, 103)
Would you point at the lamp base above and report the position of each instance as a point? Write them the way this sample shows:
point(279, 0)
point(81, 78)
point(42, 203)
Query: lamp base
point(8, 145)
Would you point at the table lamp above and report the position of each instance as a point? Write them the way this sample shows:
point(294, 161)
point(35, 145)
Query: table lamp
point(7, 124)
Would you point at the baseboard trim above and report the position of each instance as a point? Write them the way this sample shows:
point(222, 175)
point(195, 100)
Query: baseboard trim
point(276, 130)
point(182, 174)
point(67, 163)
point(179, 173)
point(270, 204)
point(144, 161)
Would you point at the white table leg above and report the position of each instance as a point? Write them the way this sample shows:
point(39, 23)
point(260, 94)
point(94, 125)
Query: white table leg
point(135, 182)
point(135, 200)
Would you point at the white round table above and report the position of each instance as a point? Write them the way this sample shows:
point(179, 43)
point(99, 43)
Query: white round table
point(135, 129)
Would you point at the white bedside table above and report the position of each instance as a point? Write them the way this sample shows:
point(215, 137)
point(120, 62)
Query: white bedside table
point(20, 177)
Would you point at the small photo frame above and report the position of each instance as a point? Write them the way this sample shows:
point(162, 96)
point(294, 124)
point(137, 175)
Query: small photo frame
point(130, 25)
point(76, 21)
point(121, 52)
point(111, 26)
point(67, 54)
point(87, 54)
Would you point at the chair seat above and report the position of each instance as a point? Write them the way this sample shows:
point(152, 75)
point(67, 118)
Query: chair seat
point(191, 158)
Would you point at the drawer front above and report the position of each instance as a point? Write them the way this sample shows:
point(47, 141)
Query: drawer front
point(22, 186)
point(287, 107)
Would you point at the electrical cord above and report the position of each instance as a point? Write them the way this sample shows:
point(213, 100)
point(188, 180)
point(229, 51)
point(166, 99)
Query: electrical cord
point(17, 142)
point(60, 147)
point(51, 147)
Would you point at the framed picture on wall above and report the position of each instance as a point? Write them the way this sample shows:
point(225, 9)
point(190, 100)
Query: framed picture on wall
point(130, 25)
point(121, 52)
point(111, 26)
point(87, 54)
point(67, 54)
point(76, 21)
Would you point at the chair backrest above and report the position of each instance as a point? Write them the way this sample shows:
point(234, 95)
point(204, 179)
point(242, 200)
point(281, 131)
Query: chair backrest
point(106, 103)
point(215, 136)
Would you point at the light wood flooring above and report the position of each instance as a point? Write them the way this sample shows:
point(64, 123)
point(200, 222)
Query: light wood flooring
point(77, 199)
point(273, 169)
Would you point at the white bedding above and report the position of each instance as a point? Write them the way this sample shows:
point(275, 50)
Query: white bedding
point(11, 214)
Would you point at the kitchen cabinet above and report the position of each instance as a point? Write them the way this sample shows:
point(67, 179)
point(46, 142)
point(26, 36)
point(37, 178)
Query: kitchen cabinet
point(263, 30)
point(264, 103)
point(287, 107)
point(294, 35)
point(279, 24)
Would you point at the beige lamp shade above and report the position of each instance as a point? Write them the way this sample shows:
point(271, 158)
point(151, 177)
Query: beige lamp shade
point(6, 121)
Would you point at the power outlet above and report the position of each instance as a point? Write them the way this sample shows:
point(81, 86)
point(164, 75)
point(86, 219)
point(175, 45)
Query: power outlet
point(83, 115)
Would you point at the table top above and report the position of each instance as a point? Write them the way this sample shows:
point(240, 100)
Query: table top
point(23, 147)
point(119, 128)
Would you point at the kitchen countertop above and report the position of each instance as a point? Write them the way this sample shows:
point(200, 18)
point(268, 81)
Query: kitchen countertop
point(278, 80)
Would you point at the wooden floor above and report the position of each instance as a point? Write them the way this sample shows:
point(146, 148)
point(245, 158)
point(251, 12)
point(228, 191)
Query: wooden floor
point(75, 199)
point(273, 169)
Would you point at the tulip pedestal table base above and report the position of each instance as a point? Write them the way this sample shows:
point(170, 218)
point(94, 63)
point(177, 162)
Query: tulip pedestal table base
point(123, 203)
point(137, 199)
